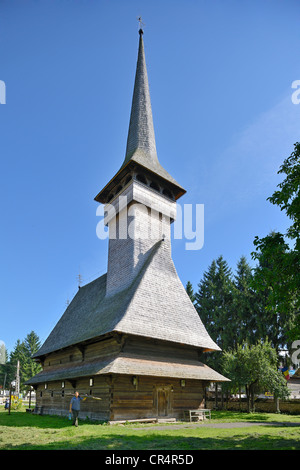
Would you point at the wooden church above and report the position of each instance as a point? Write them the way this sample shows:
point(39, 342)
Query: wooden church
point(132, 337)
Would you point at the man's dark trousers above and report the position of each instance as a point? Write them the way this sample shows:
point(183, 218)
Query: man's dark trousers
point(75, 414)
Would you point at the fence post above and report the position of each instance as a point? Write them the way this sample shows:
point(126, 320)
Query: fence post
point(9, 399)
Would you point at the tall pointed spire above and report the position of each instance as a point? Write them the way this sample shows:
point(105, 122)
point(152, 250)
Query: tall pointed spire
point(141, 147)
point(141, 136)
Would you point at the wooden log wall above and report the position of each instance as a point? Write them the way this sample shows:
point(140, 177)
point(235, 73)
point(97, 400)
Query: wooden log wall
point(88, 352)
point(56, 400)
point(122, 399)
point(154, 397)
point(123, 396)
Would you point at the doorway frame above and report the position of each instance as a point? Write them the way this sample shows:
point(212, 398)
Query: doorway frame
point(169, 399)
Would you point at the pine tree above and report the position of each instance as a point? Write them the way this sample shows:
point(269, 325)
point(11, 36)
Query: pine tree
point(23, 352)
point(204, 300)
point(248, 304)
point(227, 321)
point(214, 303)
point(190, 291)
point(31, 346)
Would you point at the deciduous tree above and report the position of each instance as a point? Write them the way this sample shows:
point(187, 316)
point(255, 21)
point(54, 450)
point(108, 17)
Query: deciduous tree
point(278, 254)
point(254, 368)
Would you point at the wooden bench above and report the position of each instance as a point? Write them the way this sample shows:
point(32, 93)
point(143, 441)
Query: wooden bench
point(197, 415)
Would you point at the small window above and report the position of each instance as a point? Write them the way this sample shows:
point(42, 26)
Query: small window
point(135, 381)
point(52, 393)
point(141, 178)
point(46, 386)
point(167, 193)
point(91, 382)
point(41, 394)
point(63, 384)
point(62, 393)
point(153, 185)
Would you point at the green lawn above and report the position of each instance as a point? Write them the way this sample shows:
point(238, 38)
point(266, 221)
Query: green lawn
point(260, 431)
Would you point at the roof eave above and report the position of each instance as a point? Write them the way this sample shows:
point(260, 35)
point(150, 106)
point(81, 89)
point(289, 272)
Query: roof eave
point(102, 195)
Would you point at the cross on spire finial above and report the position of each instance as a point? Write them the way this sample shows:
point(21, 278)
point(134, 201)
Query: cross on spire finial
point(139, 18)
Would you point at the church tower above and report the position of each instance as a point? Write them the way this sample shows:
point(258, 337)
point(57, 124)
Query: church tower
point(142, 196)
point(131, 337)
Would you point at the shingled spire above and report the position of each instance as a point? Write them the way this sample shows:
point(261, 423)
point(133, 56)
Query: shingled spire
point(141, 136)
point(141, 147)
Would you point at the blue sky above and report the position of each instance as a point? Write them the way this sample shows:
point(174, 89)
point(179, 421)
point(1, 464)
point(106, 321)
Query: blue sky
point(220, 77)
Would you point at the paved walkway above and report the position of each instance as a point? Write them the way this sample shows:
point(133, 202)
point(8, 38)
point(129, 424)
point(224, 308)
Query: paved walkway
point(210, 424)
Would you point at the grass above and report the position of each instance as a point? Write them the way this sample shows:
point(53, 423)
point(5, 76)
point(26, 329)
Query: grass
point(260, 431)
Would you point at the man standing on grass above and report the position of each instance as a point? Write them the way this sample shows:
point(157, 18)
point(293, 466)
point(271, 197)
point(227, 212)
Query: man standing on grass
point(75, 407)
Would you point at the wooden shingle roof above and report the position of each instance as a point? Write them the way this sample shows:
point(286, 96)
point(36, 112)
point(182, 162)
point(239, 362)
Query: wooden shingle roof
point(123, 364)
point(141, 145)
point(156, 305)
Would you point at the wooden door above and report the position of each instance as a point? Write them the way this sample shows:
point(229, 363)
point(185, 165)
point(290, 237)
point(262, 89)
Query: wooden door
point(163, 401)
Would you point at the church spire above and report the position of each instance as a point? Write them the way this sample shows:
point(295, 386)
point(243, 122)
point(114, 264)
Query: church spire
point(141, 156)
point(141, 138)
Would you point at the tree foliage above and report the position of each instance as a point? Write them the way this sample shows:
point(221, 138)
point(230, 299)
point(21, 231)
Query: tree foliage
point(228, 305)
point(248, 304)
point(214, 302)
point(272, 280)
point(190, 291)
point(22, 352)
point(254, 368)
point(278, 254)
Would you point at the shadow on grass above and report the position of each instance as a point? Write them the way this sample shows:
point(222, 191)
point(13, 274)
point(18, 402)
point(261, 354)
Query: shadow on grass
point(146, 438)
point(162, 442)
point(22, 419)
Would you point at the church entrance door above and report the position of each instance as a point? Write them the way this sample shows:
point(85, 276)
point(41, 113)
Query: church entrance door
point(163, 401)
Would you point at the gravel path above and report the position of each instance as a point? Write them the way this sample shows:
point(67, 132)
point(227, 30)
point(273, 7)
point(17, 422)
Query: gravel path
point(225, 425)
